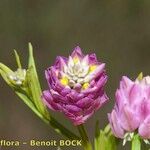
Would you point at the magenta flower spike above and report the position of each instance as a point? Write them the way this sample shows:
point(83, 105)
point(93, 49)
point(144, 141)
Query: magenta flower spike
point(132, 108)
point(76, 86)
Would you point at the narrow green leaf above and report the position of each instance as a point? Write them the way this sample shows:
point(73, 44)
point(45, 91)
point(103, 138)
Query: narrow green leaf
point(5, 68)
point(97, 136)
point(31, 79)
point(4, 76)
point(136, 143)
point(112, 143)
point(102, 141)
point(29, 103)
point(18, 59)
point(107, 129)
point(34, 83)
point(97, 129)
point(85, 140)
point(31, 63)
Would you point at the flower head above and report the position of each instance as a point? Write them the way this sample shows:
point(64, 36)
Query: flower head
point(76, 86)
point(132, 108)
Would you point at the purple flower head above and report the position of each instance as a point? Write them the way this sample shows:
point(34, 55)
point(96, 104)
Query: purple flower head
point(132, 108)
point(76, 86)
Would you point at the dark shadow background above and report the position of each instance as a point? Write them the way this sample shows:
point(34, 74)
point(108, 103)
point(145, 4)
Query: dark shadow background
point(117, 31)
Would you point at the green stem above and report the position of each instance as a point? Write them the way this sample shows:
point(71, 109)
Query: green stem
point(85, 140)
point(59, 128)
point(136, 143)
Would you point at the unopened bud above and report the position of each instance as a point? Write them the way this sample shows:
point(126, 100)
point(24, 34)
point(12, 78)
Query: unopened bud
point(18, 77)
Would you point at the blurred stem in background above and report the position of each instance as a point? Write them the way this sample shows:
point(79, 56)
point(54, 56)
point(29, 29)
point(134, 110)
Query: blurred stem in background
point(85, 140)
point(104, 139)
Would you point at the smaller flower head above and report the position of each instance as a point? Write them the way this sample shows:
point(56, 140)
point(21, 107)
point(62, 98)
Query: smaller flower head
point(132, 108)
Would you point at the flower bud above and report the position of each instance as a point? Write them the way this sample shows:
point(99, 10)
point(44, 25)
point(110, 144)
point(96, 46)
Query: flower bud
point(18, 77)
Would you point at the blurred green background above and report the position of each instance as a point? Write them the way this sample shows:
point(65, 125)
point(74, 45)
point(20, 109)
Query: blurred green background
point(117, 31)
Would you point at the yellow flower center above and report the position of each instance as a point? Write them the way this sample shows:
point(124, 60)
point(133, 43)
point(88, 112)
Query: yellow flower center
point(85, 86)
point(75, 60)
point(64, 81)
point(92, 68)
